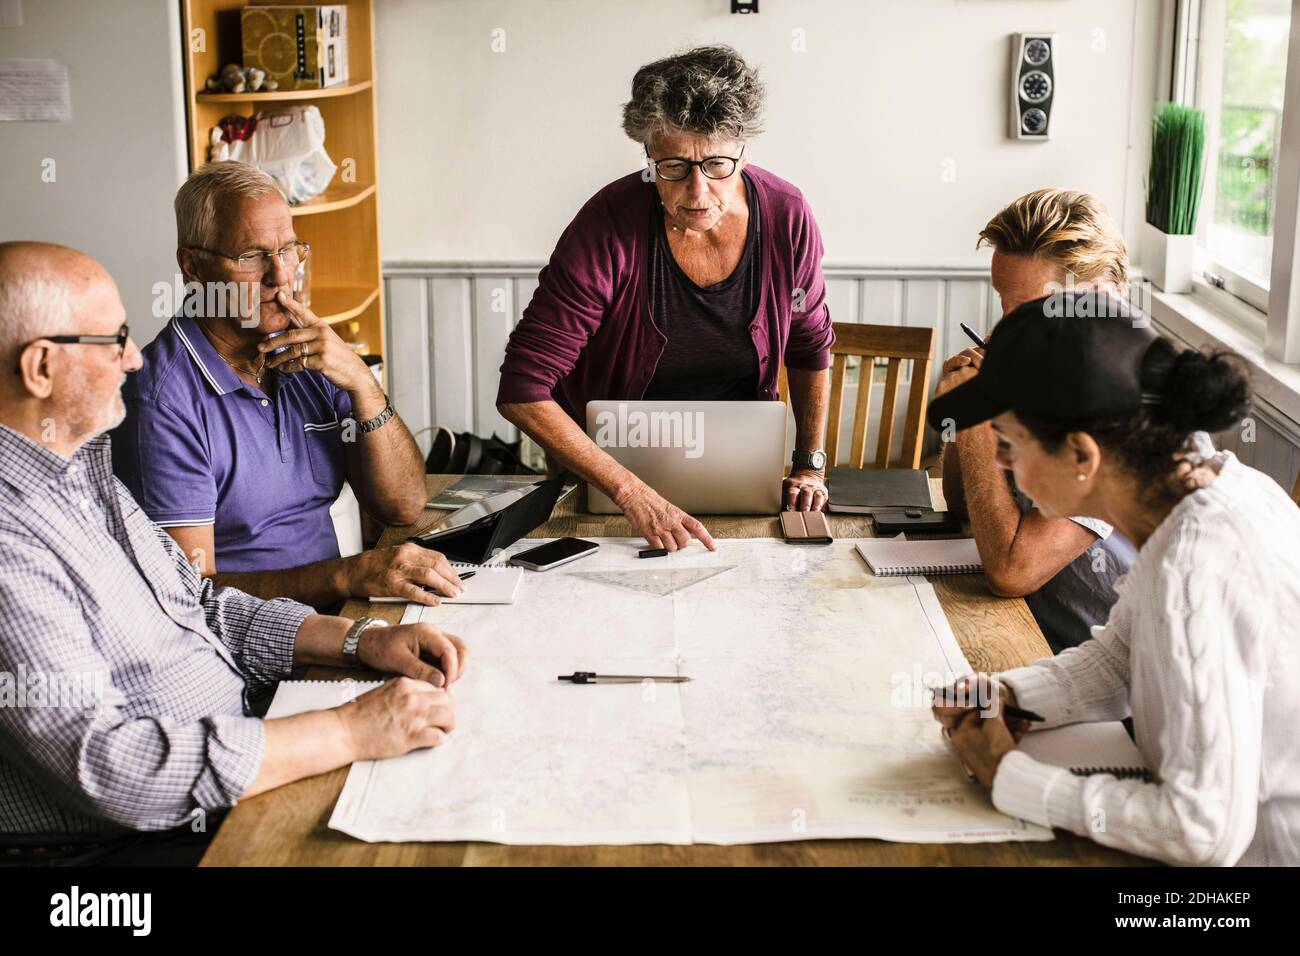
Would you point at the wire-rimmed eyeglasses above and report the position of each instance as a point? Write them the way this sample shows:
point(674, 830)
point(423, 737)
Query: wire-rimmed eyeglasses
point(259, 261)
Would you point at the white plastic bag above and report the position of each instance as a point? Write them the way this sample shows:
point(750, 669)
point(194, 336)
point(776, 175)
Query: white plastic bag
point(289, 145)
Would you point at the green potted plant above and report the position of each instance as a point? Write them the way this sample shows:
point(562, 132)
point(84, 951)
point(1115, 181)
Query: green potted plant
point(1173, 196)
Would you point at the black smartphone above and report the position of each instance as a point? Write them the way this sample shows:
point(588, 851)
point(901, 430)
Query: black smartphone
point(933, 522)
point(560, 551)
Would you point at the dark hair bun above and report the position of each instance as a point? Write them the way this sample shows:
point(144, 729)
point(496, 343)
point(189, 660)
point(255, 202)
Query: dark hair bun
point(1203, 391)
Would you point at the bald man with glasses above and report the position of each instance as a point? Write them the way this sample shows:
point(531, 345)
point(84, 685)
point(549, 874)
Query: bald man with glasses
point(126, 677)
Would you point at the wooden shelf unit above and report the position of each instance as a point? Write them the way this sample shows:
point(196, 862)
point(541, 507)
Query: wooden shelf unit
point(342, 224)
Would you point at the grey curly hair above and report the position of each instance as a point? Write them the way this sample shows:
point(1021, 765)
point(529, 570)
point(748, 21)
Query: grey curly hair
point(709, 90)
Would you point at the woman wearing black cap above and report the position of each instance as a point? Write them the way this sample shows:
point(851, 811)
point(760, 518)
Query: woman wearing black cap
point(1096, 417)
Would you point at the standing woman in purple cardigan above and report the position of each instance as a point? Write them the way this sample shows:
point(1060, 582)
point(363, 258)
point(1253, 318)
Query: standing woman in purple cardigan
point(695, 279)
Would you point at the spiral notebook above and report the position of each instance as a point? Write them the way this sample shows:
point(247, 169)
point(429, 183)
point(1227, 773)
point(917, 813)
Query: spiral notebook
point(491, 584)
point(1086, 749)
point(889, 557)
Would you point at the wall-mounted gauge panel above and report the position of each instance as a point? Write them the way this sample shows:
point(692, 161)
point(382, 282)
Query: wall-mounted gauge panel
point(1033, 85)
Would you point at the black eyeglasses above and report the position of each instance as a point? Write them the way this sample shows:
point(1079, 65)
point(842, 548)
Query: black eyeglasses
point(119, 340)
point(674, 169)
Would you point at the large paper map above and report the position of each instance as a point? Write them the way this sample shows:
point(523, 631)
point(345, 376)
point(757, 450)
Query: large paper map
point(804, 717)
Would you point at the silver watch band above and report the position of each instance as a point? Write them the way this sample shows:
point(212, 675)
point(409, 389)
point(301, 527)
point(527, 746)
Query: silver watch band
point(352, 640)
point(379, 421)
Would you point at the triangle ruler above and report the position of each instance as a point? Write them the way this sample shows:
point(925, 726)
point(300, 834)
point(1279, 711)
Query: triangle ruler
point(658, 582)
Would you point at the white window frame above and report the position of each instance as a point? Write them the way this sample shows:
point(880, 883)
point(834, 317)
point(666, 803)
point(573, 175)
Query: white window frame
point(1283, 339)
point(1279, 302)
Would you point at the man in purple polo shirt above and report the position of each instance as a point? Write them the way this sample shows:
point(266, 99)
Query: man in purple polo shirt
point(239, 451)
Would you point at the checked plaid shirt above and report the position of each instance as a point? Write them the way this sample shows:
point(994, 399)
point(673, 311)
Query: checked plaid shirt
point(94, 596)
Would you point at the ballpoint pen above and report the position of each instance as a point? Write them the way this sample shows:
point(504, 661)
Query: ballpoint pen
point(588, 677)
point(1006, 710)
point(971, 334)
point(464, 575)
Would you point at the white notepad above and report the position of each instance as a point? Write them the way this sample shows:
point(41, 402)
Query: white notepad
point(300, 696)
point(491, 584)
point(888, 557)
point(1084, 749)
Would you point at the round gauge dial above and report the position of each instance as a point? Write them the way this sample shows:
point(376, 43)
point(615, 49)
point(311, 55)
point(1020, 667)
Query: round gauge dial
point(1037, 52)
point(1036, 86)
point(1033, 121)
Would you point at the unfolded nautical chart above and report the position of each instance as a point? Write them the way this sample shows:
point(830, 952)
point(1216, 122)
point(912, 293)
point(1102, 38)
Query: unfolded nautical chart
point(805, 716)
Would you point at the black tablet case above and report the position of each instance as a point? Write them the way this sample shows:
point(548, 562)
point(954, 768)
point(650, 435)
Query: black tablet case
point(485, 538)
point(878, 490)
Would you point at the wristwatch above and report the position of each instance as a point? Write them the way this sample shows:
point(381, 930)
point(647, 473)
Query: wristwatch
point(379, 421)
point(353, 638)
point(815, 460)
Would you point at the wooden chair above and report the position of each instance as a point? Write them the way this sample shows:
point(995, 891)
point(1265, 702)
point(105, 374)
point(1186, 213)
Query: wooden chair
point(1295, 489)
point(872, 342)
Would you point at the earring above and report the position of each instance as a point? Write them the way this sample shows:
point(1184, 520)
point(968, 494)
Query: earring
point(1081, 477)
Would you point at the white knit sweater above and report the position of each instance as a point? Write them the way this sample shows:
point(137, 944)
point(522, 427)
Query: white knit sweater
point(1203, 649)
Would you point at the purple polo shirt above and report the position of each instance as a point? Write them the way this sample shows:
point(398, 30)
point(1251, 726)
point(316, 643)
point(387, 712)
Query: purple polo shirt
point(588, 332)
point(201, 447)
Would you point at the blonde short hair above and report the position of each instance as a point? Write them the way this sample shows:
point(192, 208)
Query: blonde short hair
point(201, 196)
point(1065, 226)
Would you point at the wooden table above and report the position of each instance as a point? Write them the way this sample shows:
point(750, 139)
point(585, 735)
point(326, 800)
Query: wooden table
point(287, 826)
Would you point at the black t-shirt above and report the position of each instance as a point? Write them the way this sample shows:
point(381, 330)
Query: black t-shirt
point(710, 354)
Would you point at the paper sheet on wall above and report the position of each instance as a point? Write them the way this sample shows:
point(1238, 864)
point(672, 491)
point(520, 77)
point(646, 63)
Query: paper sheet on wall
point(11, 13)
point(804, 717)
point(34, 90)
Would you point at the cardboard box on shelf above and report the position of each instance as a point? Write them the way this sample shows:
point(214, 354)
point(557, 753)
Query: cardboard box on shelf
point(300, 47)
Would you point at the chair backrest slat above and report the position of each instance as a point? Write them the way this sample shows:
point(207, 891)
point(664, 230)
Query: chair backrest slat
point(886, 441)
point(861, 414)
point(914, 427)
point(839, 363)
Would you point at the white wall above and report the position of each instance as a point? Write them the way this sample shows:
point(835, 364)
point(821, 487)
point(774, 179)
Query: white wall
point(120, 160)
point(486, 156)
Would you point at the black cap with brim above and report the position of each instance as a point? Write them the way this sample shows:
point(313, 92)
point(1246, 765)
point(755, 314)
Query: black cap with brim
point(970, 403)
point(1071, 355)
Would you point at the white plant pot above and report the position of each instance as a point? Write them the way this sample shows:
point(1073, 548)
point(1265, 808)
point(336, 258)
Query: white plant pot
point(1167, 260)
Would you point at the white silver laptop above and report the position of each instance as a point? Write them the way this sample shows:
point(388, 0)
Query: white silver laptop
point(707, 458)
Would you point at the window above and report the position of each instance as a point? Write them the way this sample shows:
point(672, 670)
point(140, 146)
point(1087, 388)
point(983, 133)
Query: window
point(1241, 84)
